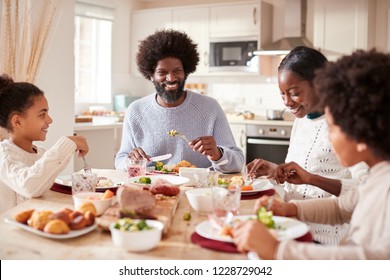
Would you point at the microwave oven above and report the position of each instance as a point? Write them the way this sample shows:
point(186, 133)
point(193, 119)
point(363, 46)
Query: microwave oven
point(233, 56)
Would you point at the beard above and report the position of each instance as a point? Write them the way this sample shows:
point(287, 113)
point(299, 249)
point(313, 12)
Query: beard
point(169, 96)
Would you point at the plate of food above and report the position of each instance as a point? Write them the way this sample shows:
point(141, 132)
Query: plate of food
point(52, 224)
point(172, 169)
point(284, 228)
point(149, 179)
point(257, 186)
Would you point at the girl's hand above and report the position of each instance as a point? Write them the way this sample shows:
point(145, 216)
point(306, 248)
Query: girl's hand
point(81, 144)
point(276, 205)
point(252, 235)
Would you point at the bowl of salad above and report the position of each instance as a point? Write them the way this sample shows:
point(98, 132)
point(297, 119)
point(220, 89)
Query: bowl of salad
point(136, 235)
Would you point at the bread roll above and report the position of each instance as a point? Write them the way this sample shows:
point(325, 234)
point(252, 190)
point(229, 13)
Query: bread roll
point(23, 217)
point(39, 219)
point(56, 227)
point(87, 206)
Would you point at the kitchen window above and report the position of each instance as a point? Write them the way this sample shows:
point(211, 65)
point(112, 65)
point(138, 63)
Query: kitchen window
point(92, 48)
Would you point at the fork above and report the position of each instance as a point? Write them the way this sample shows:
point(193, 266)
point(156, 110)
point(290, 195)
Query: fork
point(182, 136)
point(87, 168)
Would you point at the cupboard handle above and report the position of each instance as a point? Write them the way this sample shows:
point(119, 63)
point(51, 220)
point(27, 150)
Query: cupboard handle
point(268, 142)
point(206, 59)
point(254, 15)
point(242, 136)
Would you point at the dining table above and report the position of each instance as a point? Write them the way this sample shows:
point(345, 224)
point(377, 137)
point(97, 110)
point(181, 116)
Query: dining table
point(179, 243)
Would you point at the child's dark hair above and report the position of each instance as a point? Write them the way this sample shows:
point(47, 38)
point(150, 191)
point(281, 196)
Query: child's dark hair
point(303, 62)
point(163, 44)
point(356, 90)
point(15, 98)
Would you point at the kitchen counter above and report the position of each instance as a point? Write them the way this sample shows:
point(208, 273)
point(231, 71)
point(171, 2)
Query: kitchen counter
point(234, 119)
point(96, 126)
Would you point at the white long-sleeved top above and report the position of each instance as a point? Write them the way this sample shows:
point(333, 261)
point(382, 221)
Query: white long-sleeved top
point(146, 125)
point(25, 175)
point(311, 149)
point(366, 208)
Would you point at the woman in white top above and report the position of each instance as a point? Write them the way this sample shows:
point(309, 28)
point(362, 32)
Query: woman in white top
point(318, 172)
point(27, 170)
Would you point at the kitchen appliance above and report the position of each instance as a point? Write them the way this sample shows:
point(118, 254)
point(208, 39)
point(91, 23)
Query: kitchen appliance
point(231, 55)
point(275, 114)
point(269, 142)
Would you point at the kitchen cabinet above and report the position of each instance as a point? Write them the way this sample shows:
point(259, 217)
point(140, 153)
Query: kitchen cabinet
point(195, 22)
point(103, 142)
point(343, 26)
point(232, 20)
point(239, 134)
point(143, 24)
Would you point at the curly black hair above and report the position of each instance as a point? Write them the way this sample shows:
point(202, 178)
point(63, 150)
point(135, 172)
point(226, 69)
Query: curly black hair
point(166, 43)
point(356, 89)
point(15, 98)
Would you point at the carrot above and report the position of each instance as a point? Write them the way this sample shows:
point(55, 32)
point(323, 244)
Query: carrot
point(247, 188)
point(107, 194)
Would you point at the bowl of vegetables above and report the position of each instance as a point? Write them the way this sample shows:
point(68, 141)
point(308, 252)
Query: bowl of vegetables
point(136, 235)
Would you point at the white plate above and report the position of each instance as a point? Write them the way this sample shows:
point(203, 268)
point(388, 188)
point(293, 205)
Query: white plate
point(259, 186)
point(174, 180)
point(291, 228)
point(71, 234)
point(117, 176)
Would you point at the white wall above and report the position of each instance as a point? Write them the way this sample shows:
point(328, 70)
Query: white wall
point(56, 75)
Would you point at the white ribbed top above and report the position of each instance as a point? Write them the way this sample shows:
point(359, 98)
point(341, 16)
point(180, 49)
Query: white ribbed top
point(25, 175)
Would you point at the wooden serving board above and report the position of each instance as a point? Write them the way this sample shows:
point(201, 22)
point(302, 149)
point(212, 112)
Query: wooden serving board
point(164, 211)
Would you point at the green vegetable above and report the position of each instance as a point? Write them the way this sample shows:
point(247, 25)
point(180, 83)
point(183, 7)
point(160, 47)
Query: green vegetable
point(159, 165)
point(265, 217)
point(223, 181)
point(128, 224)
point(187, 216)
point(145, 180)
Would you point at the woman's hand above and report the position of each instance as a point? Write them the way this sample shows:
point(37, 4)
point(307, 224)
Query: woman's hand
point(259, 167)
point(207, 146)
point(290, 172)
point(252, 235)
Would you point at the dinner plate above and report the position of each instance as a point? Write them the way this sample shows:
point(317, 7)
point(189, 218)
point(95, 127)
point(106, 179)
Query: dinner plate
point(71, 234)
point(117, 177)
point(174, 180)
point(259, 186)
point(288, 228)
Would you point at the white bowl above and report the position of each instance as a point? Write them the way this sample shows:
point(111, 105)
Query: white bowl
point(138, 241)
point(101, 205)
point(200, 199)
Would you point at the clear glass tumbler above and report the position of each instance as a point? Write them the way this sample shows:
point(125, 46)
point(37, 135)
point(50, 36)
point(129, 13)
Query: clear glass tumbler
point(84, 182)
point(136, 167)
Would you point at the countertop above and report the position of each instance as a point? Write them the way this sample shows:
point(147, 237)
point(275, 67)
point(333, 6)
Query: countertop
point(232, 119)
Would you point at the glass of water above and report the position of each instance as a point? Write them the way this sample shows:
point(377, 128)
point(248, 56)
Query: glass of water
point(84, 182)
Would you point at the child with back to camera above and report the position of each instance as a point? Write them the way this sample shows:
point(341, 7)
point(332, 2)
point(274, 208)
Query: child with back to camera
point(27, 170)
point(356, 93)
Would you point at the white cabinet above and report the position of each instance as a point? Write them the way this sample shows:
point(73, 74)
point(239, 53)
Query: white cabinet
point(103, 142)
point(342, 26)
point(143, 24)
point(195, 22)
point(239, 134)
point(235, 20)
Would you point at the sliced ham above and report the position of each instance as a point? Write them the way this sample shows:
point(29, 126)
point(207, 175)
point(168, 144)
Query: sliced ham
point(161, 186)
point(131, 198)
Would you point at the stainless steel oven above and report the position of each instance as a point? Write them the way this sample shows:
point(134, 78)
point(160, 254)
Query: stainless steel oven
point(269, 142)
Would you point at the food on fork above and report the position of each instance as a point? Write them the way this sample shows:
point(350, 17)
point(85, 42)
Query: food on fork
point(173, 133)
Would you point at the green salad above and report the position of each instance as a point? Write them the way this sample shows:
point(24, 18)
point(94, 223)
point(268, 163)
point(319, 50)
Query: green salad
point(128, 224)
point(144, 180)
point(265, 217)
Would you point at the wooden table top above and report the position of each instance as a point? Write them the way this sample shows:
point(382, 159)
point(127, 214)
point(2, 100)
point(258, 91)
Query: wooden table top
point(16, 243)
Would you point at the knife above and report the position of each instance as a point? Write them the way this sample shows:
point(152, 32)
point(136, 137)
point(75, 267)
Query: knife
point(160, 158)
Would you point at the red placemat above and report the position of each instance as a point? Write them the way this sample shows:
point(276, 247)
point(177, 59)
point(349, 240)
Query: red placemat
point(270, 192)
point(68, 190)
point(230, 247)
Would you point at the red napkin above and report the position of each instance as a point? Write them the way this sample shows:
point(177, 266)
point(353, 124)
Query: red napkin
point(270, 192)
point(230, 247)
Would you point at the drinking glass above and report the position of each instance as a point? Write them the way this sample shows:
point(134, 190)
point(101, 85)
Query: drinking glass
point(84, 182)
point(226, 200)
point(201, 177)
point(136, 167)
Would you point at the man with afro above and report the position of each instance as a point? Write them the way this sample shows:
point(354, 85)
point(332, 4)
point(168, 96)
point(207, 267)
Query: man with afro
point(166, 58)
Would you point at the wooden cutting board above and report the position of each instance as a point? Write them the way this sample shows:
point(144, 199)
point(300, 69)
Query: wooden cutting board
point(164, 211)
